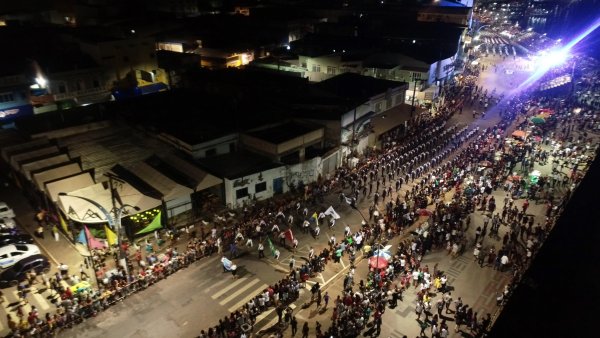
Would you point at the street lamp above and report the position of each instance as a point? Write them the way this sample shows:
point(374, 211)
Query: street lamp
point(113, 222)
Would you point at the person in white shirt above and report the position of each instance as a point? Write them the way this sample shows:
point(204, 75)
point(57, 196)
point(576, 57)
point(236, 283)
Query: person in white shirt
point(317, 231)
point(347, 231)
point(311, 253)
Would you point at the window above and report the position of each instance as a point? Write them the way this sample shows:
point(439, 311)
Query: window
point(331, 70)
point(16, 253)
point(210, 152)
point(260, 187)
point(316, 68)
point(241, 193)
point(378, 107)
point(21, 247)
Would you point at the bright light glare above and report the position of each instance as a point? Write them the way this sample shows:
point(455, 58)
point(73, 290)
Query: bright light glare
point(554, 58)
point(41, 81)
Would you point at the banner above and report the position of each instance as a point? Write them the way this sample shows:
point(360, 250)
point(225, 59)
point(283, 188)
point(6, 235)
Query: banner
point(331, 212)
point(111, 237)
point(63, 224)
point(93, 243)
point(271, 246)
point(154, 225)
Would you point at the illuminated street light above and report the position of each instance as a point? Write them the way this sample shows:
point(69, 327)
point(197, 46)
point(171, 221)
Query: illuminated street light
point(41, 81)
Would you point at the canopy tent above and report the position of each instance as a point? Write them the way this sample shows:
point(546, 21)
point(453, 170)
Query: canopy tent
point(537, 120)
point(82, 211)
point(68, 184)
point(519, 133)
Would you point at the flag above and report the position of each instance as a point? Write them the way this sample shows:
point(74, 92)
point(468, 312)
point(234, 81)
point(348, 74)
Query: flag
point(289, 235)
point(111, 237)
point(81, 238)
point(63, 224)
point(315, 216)
point(93, 243)
point(271, 246)
point(154, 225)
point(331, 212)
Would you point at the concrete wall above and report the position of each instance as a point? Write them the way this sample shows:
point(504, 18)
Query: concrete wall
point(307, 172)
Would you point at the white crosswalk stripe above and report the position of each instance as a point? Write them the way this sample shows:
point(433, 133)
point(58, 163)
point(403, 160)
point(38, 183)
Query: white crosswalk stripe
point(246, 299)
point(229, 287)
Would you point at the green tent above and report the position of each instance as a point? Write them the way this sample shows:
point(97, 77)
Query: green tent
point(154, 225)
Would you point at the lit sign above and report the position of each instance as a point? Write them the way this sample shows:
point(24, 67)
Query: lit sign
point(8, 112)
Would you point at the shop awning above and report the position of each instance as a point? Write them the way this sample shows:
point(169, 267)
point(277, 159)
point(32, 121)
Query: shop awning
point(27, 168)
point(80, 210)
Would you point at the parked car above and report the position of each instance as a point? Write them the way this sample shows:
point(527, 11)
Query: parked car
point(17, 273)
point(15, 239)
point(7, 223)
point(13, 253)
point(6, 211)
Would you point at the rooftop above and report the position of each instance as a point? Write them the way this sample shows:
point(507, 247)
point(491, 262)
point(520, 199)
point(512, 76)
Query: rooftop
point(283, 132)
point(236, 165)
point(355, 87)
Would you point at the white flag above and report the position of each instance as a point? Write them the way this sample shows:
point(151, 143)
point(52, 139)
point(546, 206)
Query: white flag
point(332, 213)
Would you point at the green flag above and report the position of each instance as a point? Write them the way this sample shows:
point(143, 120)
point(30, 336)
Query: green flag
point(271, 246)
point(154, 225)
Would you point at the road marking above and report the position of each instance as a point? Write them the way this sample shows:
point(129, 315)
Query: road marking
point(246, 300)
point(42, 301)
point(231, 286)
point(239, 291)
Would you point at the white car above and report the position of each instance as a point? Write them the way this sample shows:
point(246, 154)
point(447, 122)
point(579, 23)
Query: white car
point(13, 253)
point(6, 211)
point(7, 223)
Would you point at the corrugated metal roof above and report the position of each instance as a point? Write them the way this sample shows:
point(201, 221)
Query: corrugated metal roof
point(55, 173)
point(27, 168)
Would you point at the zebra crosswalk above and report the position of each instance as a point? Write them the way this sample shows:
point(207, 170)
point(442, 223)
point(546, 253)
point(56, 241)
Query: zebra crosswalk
point(38, 296)
point(234, 295)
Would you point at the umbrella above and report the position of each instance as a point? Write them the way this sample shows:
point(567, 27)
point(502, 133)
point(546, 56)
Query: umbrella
point(485, 163)
point(519, 133)
point(537, 120)
point(382, 254)
point(377, 262)
point(423, 212)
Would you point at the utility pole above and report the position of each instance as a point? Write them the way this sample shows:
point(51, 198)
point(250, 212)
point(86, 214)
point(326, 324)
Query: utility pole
point(412, 110)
